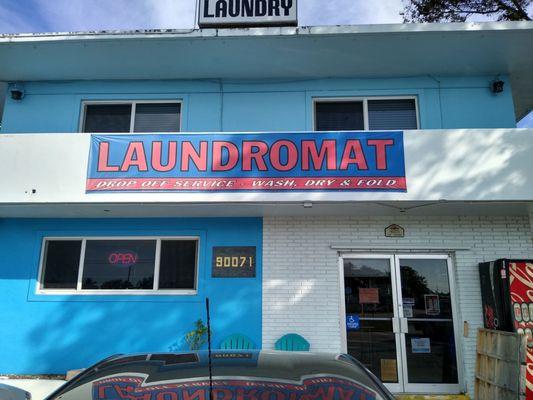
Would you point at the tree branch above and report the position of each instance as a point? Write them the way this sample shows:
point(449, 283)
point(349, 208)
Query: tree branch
point(459, 10)
point(518, 9)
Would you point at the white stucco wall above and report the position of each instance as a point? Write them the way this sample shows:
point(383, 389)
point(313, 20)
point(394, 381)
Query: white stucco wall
point(301, 280)
point(471, 165)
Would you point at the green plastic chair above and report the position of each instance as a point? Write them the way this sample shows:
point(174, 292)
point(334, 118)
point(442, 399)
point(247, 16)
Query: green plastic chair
point(237, 342)
point(292, 342)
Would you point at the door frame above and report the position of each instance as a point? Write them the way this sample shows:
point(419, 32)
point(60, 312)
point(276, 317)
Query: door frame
point(403, 386)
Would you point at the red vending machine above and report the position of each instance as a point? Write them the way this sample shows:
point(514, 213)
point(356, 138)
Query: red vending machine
point(507, 295)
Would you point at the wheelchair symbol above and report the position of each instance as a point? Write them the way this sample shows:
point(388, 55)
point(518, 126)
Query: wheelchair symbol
point(352, 322)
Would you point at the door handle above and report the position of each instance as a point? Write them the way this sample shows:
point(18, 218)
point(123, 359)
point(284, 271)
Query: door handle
point(400, 325)
point(396, 325)
point(404, 327)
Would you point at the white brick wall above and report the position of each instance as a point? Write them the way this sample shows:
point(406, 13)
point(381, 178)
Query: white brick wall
point(300, 271)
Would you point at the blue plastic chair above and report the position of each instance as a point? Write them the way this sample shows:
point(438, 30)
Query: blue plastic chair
point(237, 342)
point(292, 342)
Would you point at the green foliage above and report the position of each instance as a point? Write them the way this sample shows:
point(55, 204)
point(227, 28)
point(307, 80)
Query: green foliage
point(198, 336)
point(460, 10)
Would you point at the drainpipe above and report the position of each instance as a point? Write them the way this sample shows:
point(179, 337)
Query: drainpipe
point(530, 207)
point(3, 92)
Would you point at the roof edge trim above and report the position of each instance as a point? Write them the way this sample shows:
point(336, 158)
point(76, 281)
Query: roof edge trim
point(268, 31)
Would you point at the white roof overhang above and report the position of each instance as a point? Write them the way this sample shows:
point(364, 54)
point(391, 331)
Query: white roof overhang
point(366, 51)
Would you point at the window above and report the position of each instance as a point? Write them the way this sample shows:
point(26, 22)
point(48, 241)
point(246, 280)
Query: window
point(365, 114)
point(62, 262)
point(392, 114)
point(339, 116)
point(123, 265)
point(118, 264)
point(150, 117)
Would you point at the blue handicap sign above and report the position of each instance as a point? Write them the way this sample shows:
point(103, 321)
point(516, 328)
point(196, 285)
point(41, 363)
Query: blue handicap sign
point(352, 322)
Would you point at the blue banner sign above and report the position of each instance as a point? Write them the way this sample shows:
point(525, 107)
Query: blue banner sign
point(323, 161)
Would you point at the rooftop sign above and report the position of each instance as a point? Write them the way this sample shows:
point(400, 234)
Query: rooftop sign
point(305, 161)
point(228, 13)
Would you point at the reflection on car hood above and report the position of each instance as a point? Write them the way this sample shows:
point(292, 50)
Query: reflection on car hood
point(237, 375)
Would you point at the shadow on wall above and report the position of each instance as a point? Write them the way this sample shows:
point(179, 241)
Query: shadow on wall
point(477, 164)
point(77, 334)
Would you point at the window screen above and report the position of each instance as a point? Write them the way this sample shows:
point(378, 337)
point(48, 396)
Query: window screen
point(392, 114)
point(157, 117)
point(119, 264)
point(339, 116)
point(107, 118)
point(177, 264)
point(62, 259)
point(149, 117)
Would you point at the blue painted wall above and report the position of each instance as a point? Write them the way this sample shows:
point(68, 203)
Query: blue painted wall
point(51, 334)
point(211, 105)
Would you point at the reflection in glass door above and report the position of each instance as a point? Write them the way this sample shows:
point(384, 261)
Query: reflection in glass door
point(429, 338)
point(399, 320)
point(371, 313)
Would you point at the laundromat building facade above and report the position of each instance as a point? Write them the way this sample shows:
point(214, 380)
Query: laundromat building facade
point(339, 183)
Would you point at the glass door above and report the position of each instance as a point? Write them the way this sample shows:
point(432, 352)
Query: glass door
point(428, 336)
point(400, 320)
point(372, 334)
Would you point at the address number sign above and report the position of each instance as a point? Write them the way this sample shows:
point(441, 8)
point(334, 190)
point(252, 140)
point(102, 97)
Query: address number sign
point(234, 262)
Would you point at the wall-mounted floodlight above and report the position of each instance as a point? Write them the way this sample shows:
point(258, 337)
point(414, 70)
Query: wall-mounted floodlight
point(16, 92)
point(497, 86)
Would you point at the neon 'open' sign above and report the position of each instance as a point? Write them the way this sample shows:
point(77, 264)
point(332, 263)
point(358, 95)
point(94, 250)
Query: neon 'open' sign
point(123, 257)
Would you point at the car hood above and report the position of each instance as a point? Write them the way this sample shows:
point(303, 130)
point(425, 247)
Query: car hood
point(236, 375)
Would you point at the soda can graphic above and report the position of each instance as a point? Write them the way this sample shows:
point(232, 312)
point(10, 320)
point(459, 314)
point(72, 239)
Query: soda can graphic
point(517, 312)
point(525, 312)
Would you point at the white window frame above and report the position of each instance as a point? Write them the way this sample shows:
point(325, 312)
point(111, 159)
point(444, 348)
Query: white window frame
point(364, 100)
point(133, 104)
point(122, 292)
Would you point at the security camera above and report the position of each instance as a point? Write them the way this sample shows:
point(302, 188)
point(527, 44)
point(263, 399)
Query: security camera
point(17, 93)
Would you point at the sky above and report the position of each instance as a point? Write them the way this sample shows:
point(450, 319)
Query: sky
point(25, 16)
point(526, 122)
point(18, 16)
